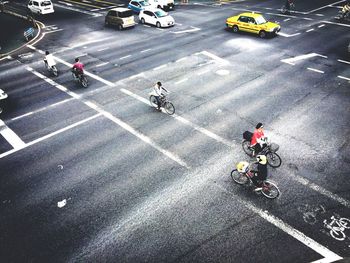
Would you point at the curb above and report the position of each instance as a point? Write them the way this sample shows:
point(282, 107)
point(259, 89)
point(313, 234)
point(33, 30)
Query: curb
point(39, 25)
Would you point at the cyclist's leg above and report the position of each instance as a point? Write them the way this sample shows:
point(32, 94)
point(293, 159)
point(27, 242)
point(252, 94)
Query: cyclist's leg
point(158, 102)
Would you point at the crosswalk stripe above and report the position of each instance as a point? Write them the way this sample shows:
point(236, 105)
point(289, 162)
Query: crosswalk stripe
point(11, 136)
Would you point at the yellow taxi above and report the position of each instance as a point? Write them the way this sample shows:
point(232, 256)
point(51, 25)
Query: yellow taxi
point(253, 23)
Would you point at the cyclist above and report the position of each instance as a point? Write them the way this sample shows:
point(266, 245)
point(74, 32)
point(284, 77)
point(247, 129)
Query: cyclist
point(258, 141)
point(346, 9)
point(159, 94)
point(260, 174)
point(49, 60)
point(288, 5)
point(78, 67)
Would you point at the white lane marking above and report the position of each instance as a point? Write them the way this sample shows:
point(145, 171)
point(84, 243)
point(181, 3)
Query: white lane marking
point(203, 72)
point(102, 49)
point(319, 14)
point(51, 135)
point(41, 109)
point(53, 31)
point(321, 190)
point(301, 57)
point(128, 56)
point(310, 30)
point(274, 14)
point(316, 70)
point(11, 137)
point(180, 81)
point(321, 25)
point(307, 18)
point(287, 19)
point(181, 59)
point(102, 64)
point(334, 23)
point(69, 4)
point(287, 35)
point(322, 7)
point(194, 29)
point(344, 61)
point(78, 10)
point(137, 75)
point(183, 120)
point(160, 67)
point(341, 77)
point(114, 119)
point(145, 50)
point(214, 57)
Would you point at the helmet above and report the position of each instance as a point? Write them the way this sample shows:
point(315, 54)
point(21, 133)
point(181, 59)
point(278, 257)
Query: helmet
point(159, 83)
point(261, 159)
point(242, 167)
point(76, 59)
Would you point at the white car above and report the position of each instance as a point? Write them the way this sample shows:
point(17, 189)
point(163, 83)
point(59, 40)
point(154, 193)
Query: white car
point(156, 17)
point(41, 6)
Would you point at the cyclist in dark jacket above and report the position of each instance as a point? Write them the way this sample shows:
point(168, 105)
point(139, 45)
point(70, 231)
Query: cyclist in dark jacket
point(260, 174)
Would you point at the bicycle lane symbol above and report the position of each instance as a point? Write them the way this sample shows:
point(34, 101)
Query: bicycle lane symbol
point(337, 227)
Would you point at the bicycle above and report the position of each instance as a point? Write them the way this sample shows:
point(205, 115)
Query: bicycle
point(81, 78)
point(164, 103)
point(287, 11)
point(273, 159)
point(52, 69)
point(242, 175)
point(337, 227)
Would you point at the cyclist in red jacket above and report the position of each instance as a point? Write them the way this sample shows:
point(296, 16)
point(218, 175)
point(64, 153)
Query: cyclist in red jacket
point(258, 141)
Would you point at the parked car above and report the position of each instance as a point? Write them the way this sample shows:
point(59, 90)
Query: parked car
point(156, 17)
point(166, 5)
point(138, 5)
point(41, 6)
point(253, 23)
point(120, 17)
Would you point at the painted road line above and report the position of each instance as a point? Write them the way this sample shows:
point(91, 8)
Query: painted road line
point(325, 6)
point(310, 30)
point(160, 67)
point(125, 57)
point(341, 77)
point(11, 137)
point(287, 19)
point(53, 31)
point(41, 109)
point(329, 256)
point(102, 49)
point(78, 10)
point(65, 3)
point(202, 72)
point(102, 64)
point(145, 50)
point(316, 70)
point(287, 35)
point(83, 4)
point(321, 25)
point(114, 119)
point(301, 57)
point(319, 14)
point(50, 135)
point(180, 81)
point(307, 18)
point(181, 59)
point(183, 120)
point(194, 29)
point(343, 61)
point(334, 23)
point(274, 14)
point(214, 57)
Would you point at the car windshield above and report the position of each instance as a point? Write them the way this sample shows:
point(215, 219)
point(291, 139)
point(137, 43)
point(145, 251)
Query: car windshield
point(143, 3)
point(125, 14)
point(45, 3)
point(260, 20)
point(160, 13)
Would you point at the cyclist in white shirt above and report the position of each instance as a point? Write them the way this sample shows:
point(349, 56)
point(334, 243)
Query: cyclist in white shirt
point(158, 90)
point(49, 60)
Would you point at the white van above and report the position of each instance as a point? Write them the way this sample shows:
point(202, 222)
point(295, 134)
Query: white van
point(163, 4)
point(41, 6)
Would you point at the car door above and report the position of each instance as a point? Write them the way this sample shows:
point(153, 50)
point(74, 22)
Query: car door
point(253, 27)
point(152, 18)
point(113, 17)
point(148, 16)
point(243, 23)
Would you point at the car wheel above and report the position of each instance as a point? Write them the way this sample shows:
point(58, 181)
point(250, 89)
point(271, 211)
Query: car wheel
point(158, 25)
point(120, 27)
point(142, 20)
point(235, 29)
point(262, 34)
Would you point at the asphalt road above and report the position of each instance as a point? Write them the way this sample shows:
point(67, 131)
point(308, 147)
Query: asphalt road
point(97, 175)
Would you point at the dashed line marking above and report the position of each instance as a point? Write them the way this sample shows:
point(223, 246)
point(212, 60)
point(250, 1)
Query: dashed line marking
point(319, 14)
point(180, 81)
point(102, 64)
point(203, 72)
point(125, 57)
point(344, 61)
point(160, 67)
point(287, 35)
point(316, 70)
point(301, 57)
point(321, 25)
point(334, 23)
point(145, 50)
point(341, 77)
point(310, 30)
point(287, 19)
point(102, 49)
point(194, 29)
point(181, 59)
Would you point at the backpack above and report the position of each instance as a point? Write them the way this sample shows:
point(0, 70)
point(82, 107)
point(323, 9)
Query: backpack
point(247, 135)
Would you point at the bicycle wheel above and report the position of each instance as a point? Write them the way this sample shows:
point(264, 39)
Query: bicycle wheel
point(84, 81)
point(54, 71)
point(238, 177)
point(169, 108)
point(270, 190)
point(273, 159)
point(344, 222)
point(153, 101)
point(246, 148)
point(338, 235)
